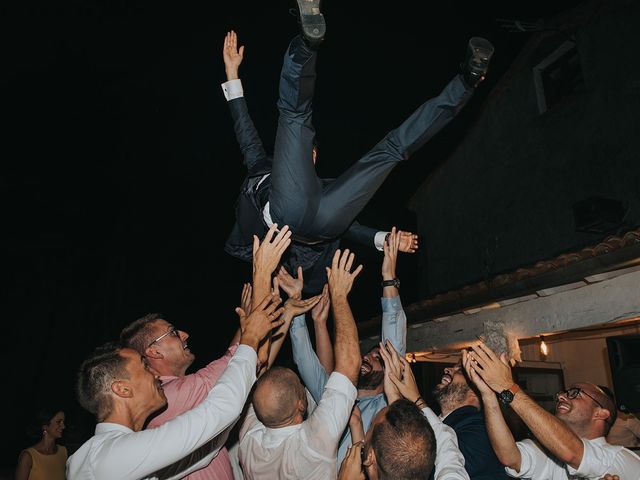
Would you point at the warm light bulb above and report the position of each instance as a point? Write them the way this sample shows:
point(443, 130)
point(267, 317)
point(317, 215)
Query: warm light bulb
point(544, 349)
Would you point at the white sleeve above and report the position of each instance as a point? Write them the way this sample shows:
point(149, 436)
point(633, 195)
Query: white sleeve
point(232, 89)
point(534, 463)
point(449, 460)
point(140, 454)
point(378, 240)
point(600, 459)
point(328, 421)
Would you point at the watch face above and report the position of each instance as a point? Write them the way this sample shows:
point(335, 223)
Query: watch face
point(506, 396)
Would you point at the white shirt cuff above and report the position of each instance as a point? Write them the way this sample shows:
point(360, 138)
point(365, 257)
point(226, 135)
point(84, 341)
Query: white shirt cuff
point(232, 89)
point(378, 240)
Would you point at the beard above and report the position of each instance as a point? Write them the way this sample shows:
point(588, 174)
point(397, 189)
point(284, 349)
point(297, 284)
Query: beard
point(370, 380)
point(451, 396)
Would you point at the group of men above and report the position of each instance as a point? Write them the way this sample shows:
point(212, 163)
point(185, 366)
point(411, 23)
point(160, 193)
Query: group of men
point(346, 415)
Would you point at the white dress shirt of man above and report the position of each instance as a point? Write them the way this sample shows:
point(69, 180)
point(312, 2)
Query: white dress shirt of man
point(275, 440)
point(371, 397)
point(569, 444)
point(117, 386)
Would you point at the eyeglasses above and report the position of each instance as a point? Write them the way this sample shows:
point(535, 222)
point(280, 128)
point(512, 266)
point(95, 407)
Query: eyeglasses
point(575, 392)
point(172, 331)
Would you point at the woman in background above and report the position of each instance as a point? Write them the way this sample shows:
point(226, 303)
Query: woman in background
point(46, 459)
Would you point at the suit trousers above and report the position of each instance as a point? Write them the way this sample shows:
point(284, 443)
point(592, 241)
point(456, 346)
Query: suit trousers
point(317, 210)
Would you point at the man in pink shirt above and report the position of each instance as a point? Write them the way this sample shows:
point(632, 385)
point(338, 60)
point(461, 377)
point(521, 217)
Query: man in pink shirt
point(167, 352)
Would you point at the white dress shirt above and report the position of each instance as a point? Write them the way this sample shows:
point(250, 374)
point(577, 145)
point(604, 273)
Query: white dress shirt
point(599, 459)
point(449, 463)
point(171, 450)
point(303, 451)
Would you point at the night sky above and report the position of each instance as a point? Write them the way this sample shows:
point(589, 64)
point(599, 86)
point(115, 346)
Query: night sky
point(120, 167)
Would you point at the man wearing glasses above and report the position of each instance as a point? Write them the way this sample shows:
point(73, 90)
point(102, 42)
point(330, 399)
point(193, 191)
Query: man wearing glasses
point(167, 352)
point(116, 384)
point(569, 445)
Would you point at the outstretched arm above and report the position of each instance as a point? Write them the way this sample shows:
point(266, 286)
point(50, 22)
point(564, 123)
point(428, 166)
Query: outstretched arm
point(253, 153)
point(320, 315)
point(313, 375)
point(400, 382)
point(293, 307)
point(369, 236)
point(347, 349)
point(266, 256)
point(499, 433)
point(394, 319)
point(551, 432)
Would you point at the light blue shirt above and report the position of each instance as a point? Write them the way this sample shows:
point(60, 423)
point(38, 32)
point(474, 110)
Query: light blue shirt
point(394, 329)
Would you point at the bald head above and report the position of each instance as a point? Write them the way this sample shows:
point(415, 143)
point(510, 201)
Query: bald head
point(279, 399)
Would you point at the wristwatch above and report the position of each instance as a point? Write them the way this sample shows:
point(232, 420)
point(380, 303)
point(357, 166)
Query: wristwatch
point(394, 282)
point(506, 396)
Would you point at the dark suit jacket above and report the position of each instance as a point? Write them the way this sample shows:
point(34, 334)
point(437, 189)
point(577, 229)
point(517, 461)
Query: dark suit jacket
point(251, 201)
point(480, 460)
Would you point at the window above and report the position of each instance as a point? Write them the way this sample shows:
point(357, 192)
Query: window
point(557, 76)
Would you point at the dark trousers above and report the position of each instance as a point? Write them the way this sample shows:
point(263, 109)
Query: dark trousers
point(317, 210)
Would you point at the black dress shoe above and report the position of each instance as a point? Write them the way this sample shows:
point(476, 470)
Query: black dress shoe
point(476, 62)
point(311, 21)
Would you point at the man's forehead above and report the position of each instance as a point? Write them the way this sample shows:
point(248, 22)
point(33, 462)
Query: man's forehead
point(160, 326)
point(587, 387)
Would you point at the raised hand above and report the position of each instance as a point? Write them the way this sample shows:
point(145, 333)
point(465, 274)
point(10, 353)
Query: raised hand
point(400, 372)
point(291, 286)
point(390, 248)
point(390, 390)
point(245, 298)
point(320, 311)
point(351, 467)
point(480, 384)
point(232, 55)
point(408, 242)
point(340, 277)
point(296, 306)
point(256, 325)
point(494, 370)
point(267, 254)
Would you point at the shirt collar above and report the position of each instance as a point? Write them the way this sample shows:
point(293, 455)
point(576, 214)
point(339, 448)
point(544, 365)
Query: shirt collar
point(111, 427)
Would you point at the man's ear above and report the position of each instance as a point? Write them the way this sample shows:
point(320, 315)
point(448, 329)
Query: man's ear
point(601, 414)
point(370, 460)
point(153, 352)
point(302, 407)
point(122, 389)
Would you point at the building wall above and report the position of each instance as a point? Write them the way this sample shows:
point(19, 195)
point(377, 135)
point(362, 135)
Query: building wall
point(582, 355)
point(504, 198)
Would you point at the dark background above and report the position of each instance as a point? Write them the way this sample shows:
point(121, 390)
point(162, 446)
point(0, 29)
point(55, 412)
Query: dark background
point(120, 168)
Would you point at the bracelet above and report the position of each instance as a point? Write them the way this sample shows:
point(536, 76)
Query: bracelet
point(418, 401)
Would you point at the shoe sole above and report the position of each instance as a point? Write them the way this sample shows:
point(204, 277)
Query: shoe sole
point(311, 20)
point(482, 48)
